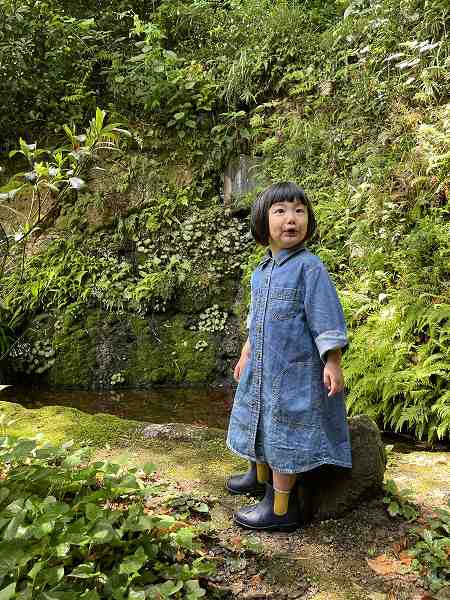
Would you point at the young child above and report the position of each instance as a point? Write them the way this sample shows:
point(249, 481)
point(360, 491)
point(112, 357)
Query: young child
point(288, 414)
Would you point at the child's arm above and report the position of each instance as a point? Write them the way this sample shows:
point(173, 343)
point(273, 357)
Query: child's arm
point(245, 355)
point(333, 378)
point(324, 313)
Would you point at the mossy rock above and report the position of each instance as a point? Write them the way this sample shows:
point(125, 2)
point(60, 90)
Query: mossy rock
point(62, 423)
point(145, 352)
point(165, 351)
point(76, 356)
point(194, 299)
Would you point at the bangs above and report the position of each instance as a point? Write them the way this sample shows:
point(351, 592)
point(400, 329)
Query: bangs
point(283, 192)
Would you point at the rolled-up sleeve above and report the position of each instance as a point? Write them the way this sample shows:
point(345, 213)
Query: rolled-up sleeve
point(324, 313)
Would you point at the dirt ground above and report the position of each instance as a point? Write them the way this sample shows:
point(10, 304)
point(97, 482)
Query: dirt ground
point(330, 560)
point(323, 561)
point(361, 556)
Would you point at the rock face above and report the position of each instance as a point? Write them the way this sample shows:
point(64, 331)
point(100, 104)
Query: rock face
point(180, 432)
point(241, 177)
point(329, 492)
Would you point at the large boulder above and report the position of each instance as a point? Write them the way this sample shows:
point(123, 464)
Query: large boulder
point(329, 492)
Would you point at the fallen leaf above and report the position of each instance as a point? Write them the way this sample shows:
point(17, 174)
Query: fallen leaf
point(255, 580)
point(382, 565)
point(236, 540)
point(405, 558)
point(400, 545)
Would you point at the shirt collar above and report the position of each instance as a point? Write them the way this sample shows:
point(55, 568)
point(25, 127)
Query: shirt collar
point(281, 257)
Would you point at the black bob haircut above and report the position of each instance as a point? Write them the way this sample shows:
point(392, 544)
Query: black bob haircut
point(284, 191)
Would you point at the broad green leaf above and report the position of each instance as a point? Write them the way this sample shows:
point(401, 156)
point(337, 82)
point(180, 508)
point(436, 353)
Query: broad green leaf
point(136, 595)
point(53, 575)
point(90, 595)
point(10, 532)
point(201, 507)
point(4, 493)
point(93, 512)
point(85, 571)
point(149, 468)
point(8, 592)
point(184, 537)
point(193, 590)
point(132, 564)
point(103, 532)
point(36, 568)
point(62, 550)
point(76, 458)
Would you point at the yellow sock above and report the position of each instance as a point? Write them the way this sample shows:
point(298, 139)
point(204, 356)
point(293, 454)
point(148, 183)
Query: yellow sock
point(262, 472)
point(280, 502)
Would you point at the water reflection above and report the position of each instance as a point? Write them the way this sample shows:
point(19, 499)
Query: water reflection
point(199, 406)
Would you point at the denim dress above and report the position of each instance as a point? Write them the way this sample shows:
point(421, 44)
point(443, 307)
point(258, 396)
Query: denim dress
point(282, 414)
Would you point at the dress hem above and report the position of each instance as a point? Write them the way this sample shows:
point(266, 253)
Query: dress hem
point(315, 465)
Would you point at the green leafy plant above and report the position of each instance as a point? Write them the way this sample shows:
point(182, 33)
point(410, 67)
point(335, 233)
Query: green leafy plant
point(431, 551)
point(399, 502)
point(79, 529)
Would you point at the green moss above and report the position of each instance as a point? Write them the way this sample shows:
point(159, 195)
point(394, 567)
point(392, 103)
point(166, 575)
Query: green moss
point(59, 423)
point(75, 358)
point(203, 461)
point(195, 298)
point(167, 352)
point(148, 351)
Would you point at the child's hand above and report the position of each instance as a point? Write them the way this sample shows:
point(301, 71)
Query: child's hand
point(245, 355)
point(240, 367)
point(333, 378)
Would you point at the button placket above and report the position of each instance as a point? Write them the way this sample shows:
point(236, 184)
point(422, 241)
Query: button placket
point(259, 354)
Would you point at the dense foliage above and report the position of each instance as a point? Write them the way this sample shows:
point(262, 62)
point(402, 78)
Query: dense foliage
point(349, 98)
point(58, 541)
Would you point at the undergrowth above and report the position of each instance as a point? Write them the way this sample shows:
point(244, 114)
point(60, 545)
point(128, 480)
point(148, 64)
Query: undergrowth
point(429, 538)
point(73, 529)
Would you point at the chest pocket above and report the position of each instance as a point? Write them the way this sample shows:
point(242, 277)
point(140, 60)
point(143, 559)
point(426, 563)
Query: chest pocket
point(283, 303)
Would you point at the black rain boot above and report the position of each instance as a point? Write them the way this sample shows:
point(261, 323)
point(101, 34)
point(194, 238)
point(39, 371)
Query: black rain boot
point(246, 483)
point(262, 517)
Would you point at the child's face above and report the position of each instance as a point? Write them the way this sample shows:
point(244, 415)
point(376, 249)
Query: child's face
point(288, 224)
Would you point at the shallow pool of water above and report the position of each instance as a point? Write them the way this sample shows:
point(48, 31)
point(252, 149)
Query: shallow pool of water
point(200, 406)
point(208, 407)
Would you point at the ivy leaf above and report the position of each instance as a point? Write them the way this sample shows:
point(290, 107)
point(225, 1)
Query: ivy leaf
point(136, 595)
point(132, 564)
point(193, 590)
point(85, 571)
point(184, 537)
point(8, 592)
